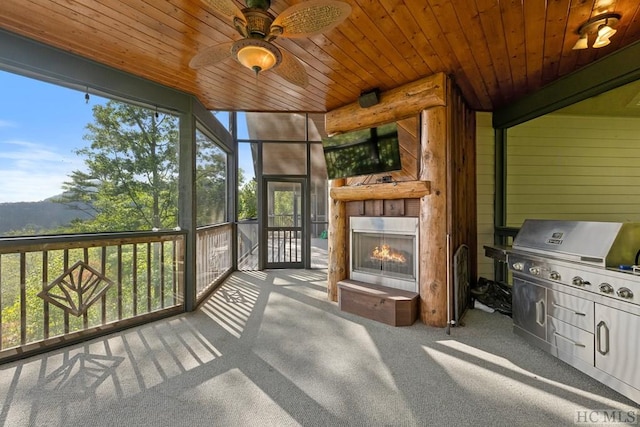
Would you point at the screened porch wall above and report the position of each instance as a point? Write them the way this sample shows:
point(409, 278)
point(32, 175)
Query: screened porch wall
point(283, 146)
point(175, 289)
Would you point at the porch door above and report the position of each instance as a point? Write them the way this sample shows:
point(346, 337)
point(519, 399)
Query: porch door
point(283, 219)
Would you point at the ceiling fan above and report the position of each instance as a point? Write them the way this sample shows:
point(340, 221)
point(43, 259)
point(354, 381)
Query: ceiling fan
point(259, 28)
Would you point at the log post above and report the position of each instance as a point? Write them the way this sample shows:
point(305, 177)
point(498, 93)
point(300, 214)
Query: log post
point(337, 269)
point(433, 218)
point(395, 104)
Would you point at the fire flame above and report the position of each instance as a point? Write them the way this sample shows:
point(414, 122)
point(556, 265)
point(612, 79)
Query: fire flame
point(385, 253)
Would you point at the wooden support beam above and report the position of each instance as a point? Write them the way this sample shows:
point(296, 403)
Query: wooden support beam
point(433, 235)
point(385, 191)
point(337, 250)
point(395, 104)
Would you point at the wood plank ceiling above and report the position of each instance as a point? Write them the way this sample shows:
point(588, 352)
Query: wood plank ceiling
point(496, 50)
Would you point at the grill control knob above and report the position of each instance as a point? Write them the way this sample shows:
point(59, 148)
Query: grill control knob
point(518, 266)
point(554, 275)
point(606, 288)
point(579, 281)
point(534, 270)
point(625, 293)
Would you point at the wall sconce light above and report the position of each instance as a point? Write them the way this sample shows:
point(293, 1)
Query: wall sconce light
point(602, 26)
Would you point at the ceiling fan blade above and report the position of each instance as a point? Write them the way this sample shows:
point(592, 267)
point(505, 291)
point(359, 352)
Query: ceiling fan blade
point(310, 17)
point(292, 70)
point(211, 55)
point(226, 7)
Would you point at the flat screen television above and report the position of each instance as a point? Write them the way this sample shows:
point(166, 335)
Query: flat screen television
point(362, 152)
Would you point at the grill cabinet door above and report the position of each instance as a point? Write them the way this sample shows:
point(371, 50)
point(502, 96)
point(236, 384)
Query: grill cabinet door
point(617, 344)
point(530, 307)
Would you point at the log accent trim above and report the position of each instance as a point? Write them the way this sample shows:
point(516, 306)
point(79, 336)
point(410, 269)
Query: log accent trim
point(395, 104)
point(385, 191)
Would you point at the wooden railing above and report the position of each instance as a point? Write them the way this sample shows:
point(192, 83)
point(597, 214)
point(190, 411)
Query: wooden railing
point(284, 245)
point(55, 289)
point(247, 232)
point(213, 256)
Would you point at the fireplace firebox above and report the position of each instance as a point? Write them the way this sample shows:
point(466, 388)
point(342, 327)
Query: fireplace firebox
point(384, 251)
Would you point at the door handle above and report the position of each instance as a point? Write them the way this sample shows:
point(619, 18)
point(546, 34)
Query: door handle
point(541, 312)
point(602, 326)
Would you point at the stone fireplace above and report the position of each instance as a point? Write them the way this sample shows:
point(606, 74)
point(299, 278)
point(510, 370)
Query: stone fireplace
point(384, 251)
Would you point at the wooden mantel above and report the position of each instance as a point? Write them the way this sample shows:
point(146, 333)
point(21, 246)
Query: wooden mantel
point(388, 191)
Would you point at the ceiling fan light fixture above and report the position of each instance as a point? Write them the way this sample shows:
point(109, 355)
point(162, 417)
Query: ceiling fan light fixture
point(259, 28)
point(257, 55)
point(256, 58)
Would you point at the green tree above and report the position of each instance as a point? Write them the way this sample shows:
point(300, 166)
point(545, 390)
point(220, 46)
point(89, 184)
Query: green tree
point(248, 200)
point(211, 182)
point(286, 207)
point(130, 181)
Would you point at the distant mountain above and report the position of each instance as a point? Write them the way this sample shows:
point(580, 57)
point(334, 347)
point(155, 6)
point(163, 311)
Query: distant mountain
point(44, 215)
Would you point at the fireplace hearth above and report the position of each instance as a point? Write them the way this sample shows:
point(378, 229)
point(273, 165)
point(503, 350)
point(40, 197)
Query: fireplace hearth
point(384, 251)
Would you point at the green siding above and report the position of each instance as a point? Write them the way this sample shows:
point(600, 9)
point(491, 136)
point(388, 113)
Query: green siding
point(485, 159)
point(574, 167)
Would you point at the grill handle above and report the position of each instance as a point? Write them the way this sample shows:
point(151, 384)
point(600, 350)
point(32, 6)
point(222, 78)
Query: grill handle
point(541, 312)
point(603, 350)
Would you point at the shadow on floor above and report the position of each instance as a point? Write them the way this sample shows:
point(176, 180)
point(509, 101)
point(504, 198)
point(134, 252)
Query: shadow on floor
point(269, 349)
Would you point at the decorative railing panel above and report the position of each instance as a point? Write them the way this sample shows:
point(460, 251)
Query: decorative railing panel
point(56, 286)
point(213, 256)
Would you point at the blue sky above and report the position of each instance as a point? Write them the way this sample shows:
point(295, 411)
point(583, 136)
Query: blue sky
point(41, 126)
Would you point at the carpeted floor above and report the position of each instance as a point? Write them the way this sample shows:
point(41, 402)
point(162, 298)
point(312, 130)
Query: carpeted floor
point(268, 349)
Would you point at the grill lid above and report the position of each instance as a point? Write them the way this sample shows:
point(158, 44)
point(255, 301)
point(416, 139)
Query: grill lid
point(604, 244)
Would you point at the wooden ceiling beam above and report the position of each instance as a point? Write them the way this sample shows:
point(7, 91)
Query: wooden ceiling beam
point(395, 104)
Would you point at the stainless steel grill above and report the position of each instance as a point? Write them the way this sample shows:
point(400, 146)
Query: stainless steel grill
point(593, 256)
point(576, 294)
